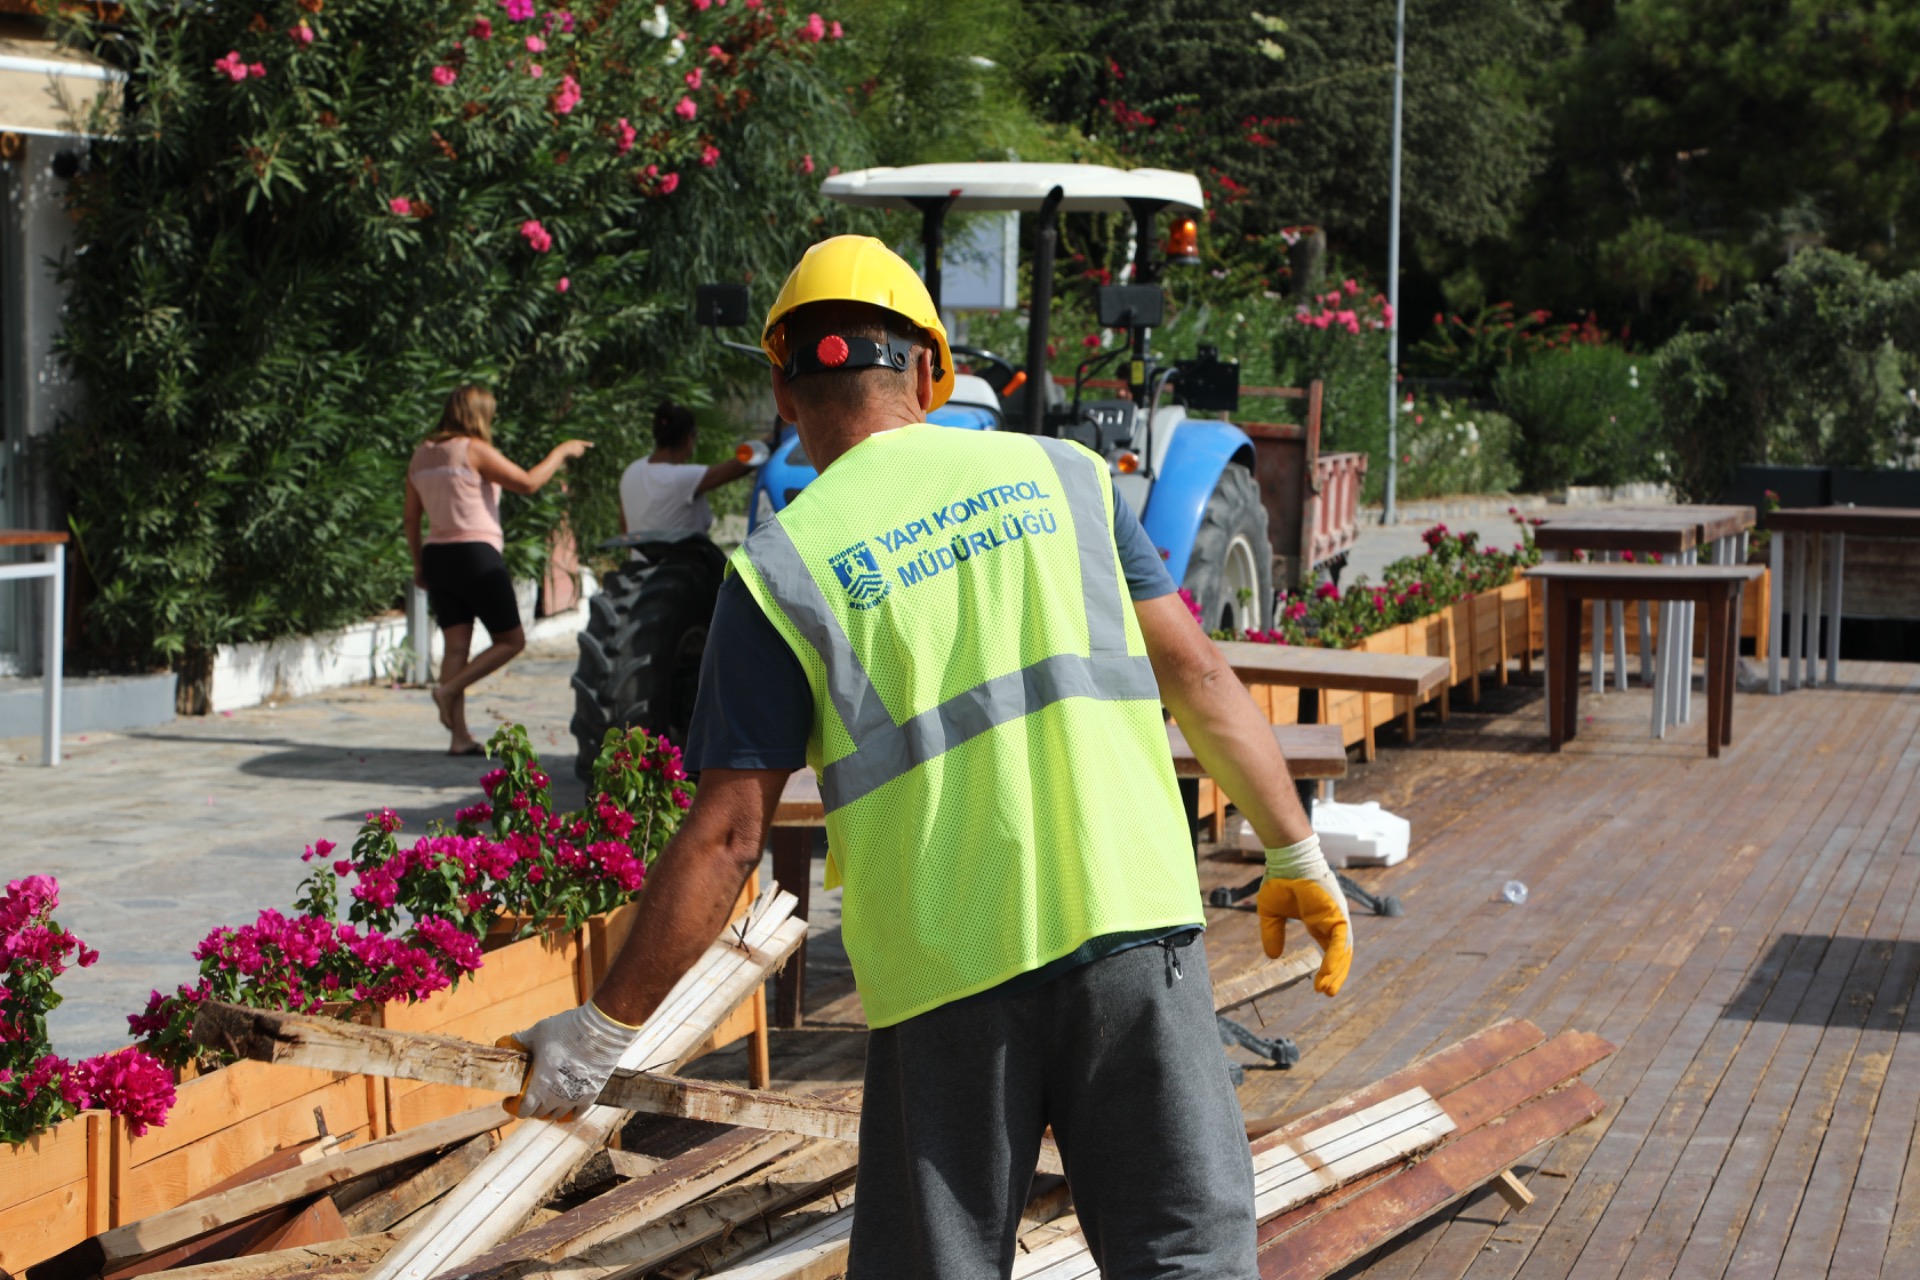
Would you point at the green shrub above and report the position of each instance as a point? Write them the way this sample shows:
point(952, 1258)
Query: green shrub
point(1585, 416)
point(1449, 447)
point(1815, 367)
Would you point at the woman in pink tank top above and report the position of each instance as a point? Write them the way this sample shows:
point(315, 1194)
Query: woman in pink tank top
point(454, 481)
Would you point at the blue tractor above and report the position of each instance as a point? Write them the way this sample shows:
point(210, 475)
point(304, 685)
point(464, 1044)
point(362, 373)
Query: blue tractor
point(1191, 480)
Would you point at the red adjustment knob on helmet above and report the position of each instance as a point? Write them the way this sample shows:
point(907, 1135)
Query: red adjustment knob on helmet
point(832, 351)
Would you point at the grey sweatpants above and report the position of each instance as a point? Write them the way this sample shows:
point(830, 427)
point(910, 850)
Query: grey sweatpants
point(1122, 1058)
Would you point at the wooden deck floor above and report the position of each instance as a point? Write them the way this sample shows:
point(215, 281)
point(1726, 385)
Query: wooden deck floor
point(1740, 928)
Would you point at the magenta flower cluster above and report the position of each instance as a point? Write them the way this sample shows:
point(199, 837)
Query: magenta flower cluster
point(38, 1088)
point(234, 69)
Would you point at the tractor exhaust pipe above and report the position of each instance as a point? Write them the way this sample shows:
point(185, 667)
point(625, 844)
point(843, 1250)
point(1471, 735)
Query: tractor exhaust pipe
point(1046, 240)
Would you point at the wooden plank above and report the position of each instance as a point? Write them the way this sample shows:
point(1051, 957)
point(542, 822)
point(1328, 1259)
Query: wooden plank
point(269, 1036)
point(332, 1260)
point(1512, 1190)
point(676, 1182)
point(537, 1156)
point(1364, 1221)
point(199, 1217)
point(1311, 751)
point(816, 1165)
point(381, 1210)
point(1266, 978)
point(1305, 667)
point(808, 1242)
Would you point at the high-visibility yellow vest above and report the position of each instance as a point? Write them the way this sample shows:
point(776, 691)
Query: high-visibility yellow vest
point(987, 729)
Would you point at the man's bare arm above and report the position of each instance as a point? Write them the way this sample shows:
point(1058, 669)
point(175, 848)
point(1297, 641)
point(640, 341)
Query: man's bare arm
point(1229, 735)
point(691, 889)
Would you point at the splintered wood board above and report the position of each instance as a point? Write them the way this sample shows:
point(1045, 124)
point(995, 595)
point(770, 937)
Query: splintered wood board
point(1292, 1171)
point(538, 1156)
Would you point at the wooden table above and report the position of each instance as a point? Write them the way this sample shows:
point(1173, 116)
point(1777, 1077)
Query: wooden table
point(54, 569)
point(1313, 671)
point(1797, 533)
point(1717, 586)
point(1675, 532)
point(1312, 751)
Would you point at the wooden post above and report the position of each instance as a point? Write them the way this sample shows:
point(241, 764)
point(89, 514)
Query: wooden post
point(99, 1170)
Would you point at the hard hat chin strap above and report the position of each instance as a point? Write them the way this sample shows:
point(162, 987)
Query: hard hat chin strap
point(834, 353)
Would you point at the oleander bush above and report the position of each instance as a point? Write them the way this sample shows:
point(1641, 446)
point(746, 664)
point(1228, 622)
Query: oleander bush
point(313, 220)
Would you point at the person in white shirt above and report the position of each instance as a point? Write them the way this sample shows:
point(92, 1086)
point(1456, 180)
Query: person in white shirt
point(667, 489)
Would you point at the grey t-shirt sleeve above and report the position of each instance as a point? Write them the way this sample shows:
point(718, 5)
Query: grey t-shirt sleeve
point(755, 707)
point(1140, 560)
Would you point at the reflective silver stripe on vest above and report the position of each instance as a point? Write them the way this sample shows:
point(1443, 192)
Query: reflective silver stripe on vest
point(883, 750)
point(849, 686)
point(1099, 582)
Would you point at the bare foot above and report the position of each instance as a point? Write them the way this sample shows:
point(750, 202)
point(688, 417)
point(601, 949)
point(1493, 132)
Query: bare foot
point(466, 747)
point(443, 702)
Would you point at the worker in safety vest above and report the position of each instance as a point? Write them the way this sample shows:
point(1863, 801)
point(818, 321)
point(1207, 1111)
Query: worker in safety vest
point(969, 638)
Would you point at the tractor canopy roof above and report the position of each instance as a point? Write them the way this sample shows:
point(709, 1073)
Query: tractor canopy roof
point(1088, 188)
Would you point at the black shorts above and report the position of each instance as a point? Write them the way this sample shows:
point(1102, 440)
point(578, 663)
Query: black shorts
point(466, 580)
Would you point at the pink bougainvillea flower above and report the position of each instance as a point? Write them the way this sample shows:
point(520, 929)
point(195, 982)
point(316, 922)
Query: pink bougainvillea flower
point(517, 10)
point(567, 97)
point(444, 76)
point(566, 22)
point(686, 108)
point(709, 155)
point(756, 4)
point(535, 70)
point(669, 183)
point(404, 207)
point(537, 237)
point(1351, 285)
point(256, 69)
point(834, 30)
point(561, 286)
point(815, 28)
point(693, 78)
point(302, 34)
point(536, 45)
point(230, 66)
point(624, 134)
point(482, 29)
point(806, 163)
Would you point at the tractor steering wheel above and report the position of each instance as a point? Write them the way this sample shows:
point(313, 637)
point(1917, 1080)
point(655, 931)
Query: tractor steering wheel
point(1003, 371)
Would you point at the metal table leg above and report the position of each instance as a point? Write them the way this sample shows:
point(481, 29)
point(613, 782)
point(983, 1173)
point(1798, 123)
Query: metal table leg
point(1834, 601)
point(1776, 605)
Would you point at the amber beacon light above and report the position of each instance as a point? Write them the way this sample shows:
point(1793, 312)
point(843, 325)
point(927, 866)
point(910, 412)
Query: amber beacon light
point(1183, 241)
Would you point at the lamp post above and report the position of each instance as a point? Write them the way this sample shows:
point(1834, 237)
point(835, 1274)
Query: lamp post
point(1390, 514)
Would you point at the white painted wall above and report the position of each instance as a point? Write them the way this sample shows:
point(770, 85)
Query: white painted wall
point(375, 651)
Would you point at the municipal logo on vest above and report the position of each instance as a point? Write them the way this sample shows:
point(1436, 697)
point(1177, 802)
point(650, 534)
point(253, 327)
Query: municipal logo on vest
point(859, 573)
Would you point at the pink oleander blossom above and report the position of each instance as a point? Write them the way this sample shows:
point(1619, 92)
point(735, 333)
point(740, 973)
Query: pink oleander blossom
point(709, 156)
point(482, 29)
point(686, 108)
point(517, 10)
point(443, 76)
point(536, 45)
point(400, 206)
point(624, 135)
point(562, 285)
point(231, 66)
point(567, 97)
point(814, 29)
point(301, 34)
point(540, 240)
point(535, 70)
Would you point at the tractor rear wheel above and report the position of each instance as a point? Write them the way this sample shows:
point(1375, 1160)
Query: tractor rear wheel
point(1230, 573)
point(640, 653)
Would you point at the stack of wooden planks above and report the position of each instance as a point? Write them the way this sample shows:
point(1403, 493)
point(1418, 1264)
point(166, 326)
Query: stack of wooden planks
point(712, 1180)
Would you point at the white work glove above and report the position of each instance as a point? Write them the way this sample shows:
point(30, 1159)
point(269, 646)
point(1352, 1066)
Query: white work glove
point(1300, 886)
point(574, 1054)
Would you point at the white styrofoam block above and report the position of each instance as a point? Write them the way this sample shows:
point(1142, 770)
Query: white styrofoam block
point(1360, 835)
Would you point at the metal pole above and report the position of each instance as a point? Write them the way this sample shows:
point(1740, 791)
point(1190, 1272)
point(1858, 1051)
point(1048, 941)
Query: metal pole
point(1391, 513)
point(1046, 238)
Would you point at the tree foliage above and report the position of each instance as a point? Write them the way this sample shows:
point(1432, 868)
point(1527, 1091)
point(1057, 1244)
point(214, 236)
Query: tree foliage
point(1699, 143)
point(1816, 367)
point(316, 221)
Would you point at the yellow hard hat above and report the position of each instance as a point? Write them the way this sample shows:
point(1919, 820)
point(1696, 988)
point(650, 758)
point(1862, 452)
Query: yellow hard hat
point(857, 269)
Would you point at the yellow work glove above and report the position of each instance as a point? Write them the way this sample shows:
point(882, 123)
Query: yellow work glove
point(1299, 886)
point(574, 1054)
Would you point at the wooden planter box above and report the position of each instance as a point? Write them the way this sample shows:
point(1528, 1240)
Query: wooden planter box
point(89, 1174)
point(53, 1190)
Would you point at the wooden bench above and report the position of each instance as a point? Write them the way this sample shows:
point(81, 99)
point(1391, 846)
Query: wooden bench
point(1796, 558)
point(1312, 751)
point(1569, 585)
point(1416, 677)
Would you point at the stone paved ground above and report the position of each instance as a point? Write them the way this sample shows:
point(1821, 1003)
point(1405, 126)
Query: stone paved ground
point(158, 835)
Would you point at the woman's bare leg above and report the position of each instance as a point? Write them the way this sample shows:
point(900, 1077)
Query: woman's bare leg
point(459, 640)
